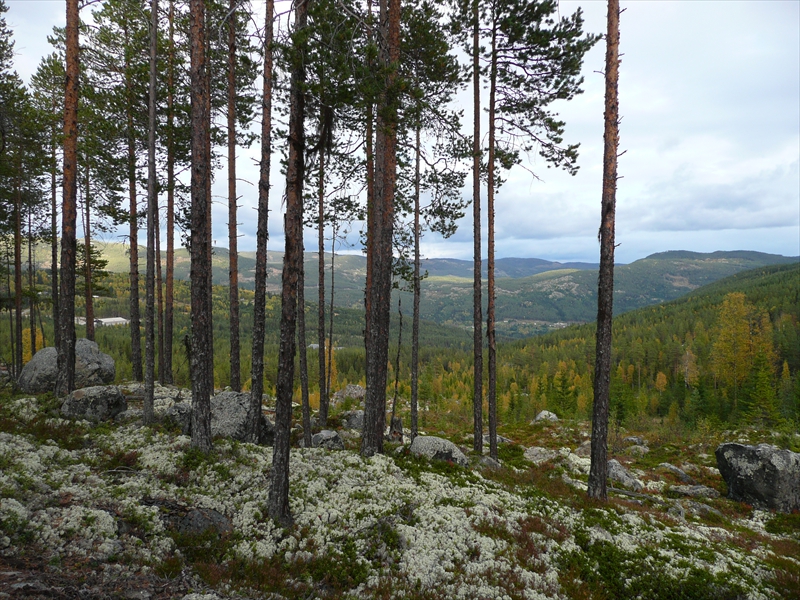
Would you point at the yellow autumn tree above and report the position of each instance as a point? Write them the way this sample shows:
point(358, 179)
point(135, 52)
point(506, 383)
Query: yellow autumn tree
point(26, 343)
point(741, 334)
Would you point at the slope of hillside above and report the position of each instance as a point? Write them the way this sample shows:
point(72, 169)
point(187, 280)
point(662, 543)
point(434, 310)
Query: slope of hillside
point(533, 295)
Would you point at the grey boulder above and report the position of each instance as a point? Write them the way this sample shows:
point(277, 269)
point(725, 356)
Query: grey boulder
point(200, 520)
point(695, 491)
point(352, 419)
point(356, 392)
point(180, 415)
point(330, 440)
point(96, 403)
point(616, 472)
point(229, 418)
point(763, 475)
point(545, 415)
point(92, 368)
point(437, 448)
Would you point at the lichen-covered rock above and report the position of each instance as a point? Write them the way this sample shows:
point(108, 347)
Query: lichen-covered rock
point(180, 414)
point(679, 473)
point(356, 392)
point(695, 491)
point(437, 448)
point(330, 440)
point(545, 415)
point(352, 419)
point(92, 368)
point(636, 450)
point(762, 475)
point(616, 472)
point(538, 455)
point(96, 403)
point(229, 412)
point(200, 520)
point(585, 449)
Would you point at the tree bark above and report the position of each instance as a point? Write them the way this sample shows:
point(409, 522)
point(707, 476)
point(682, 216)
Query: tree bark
point(31, 291)
point(233, 255)
point(605, 290)
point(380, 258)
point(87, 240)
point(152, 203)
point(490, 278)
point(262, 237)
point(301, 341)
point(323, 390)
point(416, 283)
point(54, 240)
point(202, 364)
point(477, 308)
point(329, 371)
point(169, 283)
point(18, 272)
point(65, 381)
point(135, 327)
point(292, 268)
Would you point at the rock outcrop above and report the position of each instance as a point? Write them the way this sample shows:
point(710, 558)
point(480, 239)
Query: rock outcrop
point(352, 419)
point(92, 368)
point(545, 415)
point(763, 475)
point(616, 472)
point(356, 392)
point(330, 440)
point(96, 403)
point(437, 448)
point(229, 418)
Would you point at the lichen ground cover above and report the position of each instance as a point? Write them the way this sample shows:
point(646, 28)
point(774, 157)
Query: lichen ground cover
point(391, 526)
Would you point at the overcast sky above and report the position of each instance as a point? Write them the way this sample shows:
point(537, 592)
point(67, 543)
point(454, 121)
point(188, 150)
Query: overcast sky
point(710, 99)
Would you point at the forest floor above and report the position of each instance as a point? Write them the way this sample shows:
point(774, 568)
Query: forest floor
point(92, 511)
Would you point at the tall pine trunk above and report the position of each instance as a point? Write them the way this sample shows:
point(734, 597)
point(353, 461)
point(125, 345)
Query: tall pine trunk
point(202, 364)
point(262, 236)
point(87, 240)
point(323, 389)
point(136, 343)
point(329, 346)
point(233, 255)
point(152, 203)
point(18, 272)
point(477, 308)
point(491, 392)
point(301, 342)
point(169, 283)
point(65, 381)
point(416, 284)
point(292, 269)
point(54, 237)
point(380, 254)
point(31, 292)
point(605, 289)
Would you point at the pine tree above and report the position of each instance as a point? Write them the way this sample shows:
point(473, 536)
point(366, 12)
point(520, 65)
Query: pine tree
point(605, 292)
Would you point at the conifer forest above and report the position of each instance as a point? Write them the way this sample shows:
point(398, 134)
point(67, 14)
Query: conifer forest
point(401, 118)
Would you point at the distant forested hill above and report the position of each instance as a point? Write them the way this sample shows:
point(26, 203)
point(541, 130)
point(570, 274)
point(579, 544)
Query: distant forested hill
point(533, 295)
